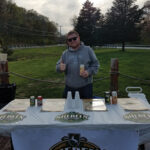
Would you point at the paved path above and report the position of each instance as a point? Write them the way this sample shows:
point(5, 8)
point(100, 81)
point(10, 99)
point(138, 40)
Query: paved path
point(128, 47)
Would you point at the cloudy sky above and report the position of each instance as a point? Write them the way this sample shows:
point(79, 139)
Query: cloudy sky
point(62, 11)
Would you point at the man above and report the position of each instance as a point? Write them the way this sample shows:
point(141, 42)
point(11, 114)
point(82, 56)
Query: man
point(79, 63)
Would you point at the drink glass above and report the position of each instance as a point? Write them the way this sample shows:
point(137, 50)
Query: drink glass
point(82, 68)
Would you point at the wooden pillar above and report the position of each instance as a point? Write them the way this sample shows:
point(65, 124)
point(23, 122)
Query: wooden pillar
point(4, 78)
point(114, 74)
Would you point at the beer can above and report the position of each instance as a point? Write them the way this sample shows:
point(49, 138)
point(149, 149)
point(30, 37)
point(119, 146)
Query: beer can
point(39, 100)
point(114, 97)
point(32, 101)
point(107, 97)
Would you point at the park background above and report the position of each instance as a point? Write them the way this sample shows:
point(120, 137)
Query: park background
point(34, 43)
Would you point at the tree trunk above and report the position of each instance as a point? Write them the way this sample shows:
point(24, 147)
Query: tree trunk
point(123, 46)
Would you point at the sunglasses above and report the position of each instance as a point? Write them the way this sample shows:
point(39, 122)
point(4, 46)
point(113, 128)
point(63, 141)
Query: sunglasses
point(72, 39)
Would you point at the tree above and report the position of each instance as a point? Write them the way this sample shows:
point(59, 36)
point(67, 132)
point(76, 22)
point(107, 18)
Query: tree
point(145, 33)
point(87, 22)
point(122, 21)
point(21, 27)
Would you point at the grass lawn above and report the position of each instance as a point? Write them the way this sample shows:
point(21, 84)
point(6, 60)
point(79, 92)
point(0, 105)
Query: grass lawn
point(39, 63)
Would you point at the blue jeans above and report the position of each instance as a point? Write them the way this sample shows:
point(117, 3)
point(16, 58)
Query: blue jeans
point(85, 92)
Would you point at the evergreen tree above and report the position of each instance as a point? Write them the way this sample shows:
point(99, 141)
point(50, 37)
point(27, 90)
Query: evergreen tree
point(86, 23)
point(122, 22)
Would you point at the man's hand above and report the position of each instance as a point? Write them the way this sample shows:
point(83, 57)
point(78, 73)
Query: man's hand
point(62, 66)
point(84, 74)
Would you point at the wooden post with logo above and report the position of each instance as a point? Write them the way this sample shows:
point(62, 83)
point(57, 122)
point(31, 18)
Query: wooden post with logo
point(4, 79)
point(114, 74)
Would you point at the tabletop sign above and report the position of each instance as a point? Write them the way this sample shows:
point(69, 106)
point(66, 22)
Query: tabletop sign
point(137, 116)
point(72, 117)
point(11, 117)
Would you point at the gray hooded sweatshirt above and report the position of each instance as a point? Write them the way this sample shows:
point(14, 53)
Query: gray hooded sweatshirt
point(73, 58)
